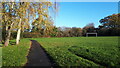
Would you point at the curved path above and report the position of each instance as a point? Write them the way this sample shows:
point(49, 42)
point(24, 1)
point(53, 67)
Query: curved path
point(37, 56)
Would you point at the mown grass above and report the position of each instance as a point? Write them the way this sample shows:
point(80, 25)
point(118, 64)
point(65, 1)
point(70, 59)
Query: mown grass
point(0, 56)
point(82, 51)
point(15, 55)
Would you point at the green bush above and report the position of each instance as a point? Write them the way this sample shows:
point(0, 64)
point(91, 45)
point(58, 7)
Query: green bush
point(31, 35)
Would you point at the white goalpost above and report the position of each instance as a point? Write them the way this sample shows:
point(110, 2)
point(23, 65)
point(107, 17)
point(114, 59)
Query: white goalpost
point(91, 33)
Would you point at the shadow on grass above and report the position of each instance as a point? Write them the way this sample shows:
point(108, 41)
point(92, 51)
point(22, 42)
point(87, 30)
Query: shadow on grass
point(1, 45)
point(12, 43)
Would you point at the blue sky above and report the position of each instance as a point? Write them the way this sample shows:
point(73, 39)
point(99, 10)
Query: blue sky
point(78, 14)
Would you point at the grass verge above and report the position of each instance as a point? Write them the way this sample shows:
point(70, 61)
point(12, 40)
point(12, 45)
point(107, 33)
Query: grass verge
point(15, 55)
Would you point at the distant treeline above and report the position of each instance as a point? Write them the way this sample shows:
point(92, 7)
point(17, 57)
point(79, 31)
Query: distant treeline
point(110, 26)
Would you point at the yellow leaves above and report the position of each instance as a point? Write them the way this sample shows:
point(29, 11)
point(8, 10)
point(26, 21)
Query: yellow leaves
point(28, 11)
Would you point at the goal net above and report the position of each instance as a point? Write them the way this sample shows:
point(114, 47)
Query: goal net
point(91, 34)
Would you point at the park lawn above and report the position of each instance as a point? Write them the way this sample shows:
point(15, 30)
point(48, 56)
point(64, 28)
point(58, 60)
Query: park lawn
point(82, 51)
point(15, 55)
point(0, 56)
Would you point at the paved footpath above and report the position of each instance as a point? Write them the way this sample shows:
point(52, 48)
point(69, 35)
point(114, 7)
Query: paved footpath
point(37, 56)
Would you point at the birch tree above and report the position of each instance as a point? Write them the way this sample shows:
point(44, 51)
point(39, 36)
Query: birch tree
point(22, 18)
point(7, 20)
point(17, 16)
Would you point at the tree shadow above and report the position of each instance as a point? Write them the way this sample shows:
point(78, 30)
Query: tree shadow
point(12, 42)
point(1, 45)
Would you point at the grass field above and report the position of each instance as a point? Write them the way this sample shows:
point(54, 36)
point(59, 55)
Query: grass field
point(15, 55)
point(67, 51)
point(82, 51)
point(0, 56)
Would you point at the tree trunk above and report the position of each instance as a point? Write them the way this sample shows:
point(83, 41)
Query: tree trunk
point(7, 38)
point(18, 33)
point(18, 36)
point(8, 31)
